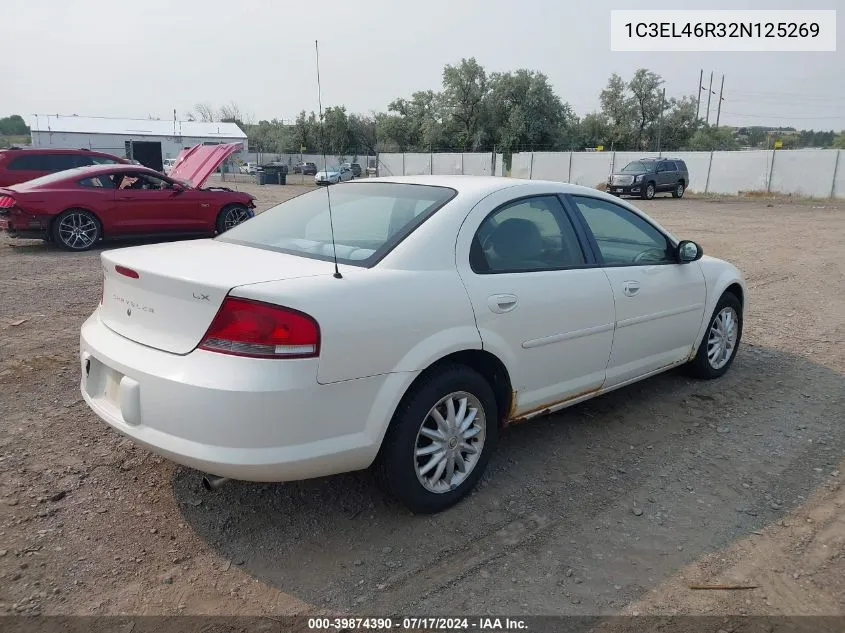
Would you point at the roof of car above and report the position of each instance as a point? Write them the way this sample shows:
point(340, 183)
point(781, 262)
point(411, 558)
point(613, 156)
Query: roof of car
point(56, 150)
point(483, 185)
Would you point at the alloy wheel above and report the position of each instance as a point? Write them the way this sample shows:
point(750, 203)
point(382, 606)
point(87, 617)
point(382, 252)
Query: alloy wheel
point(722, 337)
point(449, 442)
point(78, 231)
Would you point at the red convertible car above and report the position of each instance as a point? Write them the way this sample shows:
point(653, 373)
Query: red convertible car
point(78, 207)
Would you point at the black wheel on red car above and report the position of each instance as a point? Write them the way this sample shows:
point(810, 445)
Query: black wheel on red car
point(76, 230)
point(232, 215)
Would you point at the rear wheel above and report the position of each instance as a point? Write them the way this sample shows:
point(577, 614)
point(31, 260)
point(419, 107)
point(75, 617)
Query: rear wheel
point(76, 230)
point(231, 216)
point(718, 347)
point(678, 191)
point(440, 440)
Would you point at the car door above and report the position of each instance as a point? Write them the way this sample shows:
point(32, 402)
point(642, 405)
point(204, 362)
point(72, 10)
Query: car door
point(149, 204)
point(659, 302)
point(668, 175)
point(540, 303)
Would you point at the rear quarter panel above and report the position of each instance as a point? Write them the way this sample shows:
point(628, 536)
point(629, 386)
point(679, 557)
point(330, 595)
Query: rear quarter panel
point(376, 321)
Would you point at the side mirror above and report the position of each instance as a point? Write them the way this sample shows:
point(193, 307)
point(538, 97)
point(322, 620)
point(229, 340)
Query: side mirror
point(688, 251)
point(177, 188)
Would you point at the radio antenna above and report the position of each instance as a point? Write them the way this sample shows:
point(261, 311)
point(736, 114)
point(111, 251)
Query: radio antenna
point(337, 274)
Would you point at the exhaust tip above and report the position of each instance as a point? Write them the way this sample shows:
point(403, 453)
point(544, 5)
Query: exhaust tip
point(213, 482)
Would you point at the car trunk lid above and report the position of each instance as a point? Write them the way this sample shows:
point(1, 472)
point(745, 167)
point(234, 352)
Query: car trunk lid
point(166, 295)
point(196, 164)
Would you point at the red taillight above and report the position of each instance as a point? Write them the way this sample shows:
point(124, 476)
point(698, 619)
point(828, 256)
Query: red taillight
point(244, 327)
point(6, 202)
point(123, 270)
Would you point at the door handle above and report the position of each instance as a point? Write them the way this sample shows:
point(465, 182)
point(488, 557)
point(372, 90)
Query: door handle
point(630, 288)
point(502, 303)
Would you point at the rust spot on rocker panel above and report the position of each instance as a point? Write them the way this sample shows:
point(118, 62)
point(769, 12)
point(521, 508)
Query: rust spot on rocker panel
point(545, 408)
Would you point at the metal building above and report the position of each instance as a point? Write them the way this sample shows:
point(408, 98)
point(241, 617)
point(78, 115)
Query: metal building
point(148, 141)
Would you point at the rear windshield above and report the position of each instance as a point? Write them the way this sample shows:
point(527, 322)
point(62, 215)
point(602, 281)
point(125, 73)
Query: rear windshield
point(369, 220)
point(638, 167)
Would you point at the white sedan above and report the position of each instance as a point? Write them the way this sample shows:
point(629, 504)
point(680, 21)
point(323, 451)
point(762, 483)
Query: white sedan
point(334, 175)
point(457, 305)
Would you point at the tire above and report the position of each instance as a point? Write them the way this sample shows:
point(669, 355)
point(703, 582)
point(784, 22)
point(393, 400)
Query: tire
point(702, 366)
point(232, 215)
point(397, 466)
point(649, 191)
point(76, 230)
point(678, 191)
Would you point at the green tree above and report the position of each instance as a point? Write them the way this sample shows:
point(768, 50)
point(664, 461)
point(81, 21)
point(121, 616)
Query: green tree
point(13, 125)
point(839, 141)
point(594, 130)
point(525, 112)
point(679, 124)
point(645, 86)
point(363, 133)
point(709, 138)
point(464, 90)
point(618, 109)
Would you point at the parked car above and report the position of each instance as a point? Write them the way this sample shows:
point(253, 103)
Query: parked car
point(169, 163)
point(306, 169)
point(356, 169)
point(333, 175)
point(647, 176)
point(254, 356)
point(21, 164)
point(78, 207)
point(250, 168)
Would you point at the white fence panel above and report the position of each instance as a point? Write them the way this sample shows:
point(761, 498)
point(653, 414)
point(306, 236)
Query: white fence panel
point(590, 168)
point(390, 165)
point(839, 178)
point(551, 166)
point(732, 172)
point(697, 165)
point(521, 165)
point(500, 165)
point(478, 164)
point(446, 164)
point(417, 164)
point(803, 172)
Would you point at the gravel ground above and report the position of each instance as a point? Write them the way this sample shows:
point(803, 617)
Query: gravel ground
point(611, 506)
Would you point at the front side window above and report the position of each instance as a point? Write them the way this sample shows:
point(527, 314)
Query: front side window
point(623, 237)
point(369, 220)
point(135, 180)
point(526, 235)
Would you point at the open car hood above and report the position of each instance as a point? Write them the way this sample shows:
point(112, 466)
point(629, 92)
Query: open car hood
point(196, 164)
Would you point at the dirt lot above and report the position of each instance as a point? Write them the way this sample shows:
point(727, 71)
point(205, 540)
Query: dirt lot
point(613, 506)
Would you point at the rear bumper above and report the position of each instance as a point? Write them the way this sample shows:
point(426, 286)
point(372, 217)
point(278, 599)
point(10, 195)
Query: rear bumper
point(248, 419)
point(25, 226)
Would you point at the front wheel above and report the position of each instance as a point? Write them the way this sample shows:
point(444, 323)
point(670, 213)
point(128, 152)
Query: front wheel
point(648, 192)
point(718, 347)
point(440, 440)
point(231, 216)
point(76, 230)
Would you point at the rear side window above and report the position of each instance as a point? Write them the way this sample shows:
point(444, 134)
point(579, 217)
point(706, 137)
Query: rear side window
point(103, 160)
point(527, 235)
point(60, 162)
point(104, 182)
point(29, 162)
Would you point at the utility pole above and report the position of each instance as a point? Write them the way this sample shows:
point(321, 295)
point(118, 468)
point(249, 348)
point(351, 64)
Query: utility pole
point(700, 88)
point(719, 108)
point(709, 92)
point(660, 125)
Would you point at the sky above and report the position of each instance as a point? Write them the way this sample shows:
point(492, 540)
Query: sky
point(139, 59)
